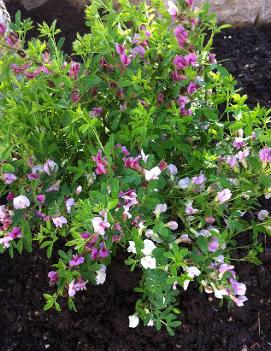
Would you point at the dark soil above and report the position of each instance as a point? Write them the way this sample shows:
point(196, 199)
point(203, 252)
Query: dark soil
point(101, 323)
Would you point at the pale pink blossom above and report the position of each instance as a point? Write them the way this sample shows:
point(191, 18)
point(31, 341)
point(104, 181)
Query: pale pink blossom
point(21, 202)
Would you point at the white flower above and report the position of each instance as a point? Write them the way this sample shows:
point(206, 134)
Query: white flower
point(59, 221)
point(160, 208)
point(262, 215)
point(101, 275)
point(50, 167)
point(131, 248)
point(149, 246)
point(193, 271)
point(185, 284)
point(148, 262)
point(21, 202)
point(133, 321)
point(184, 183)
point(172, 169)
point(99, 225)
point(149, 233)
point(78, 189)
point(150, 323)
point(144, 157)
point(152, 174)
point(69, 203)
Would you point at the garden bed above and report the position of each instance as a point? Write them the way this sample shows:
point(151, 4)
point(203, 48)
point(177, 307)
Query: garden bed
point(101, 321)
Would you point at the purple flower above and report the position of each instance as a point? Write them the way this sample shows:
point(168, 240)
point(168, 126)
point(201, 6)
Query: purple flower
point(213, 245)
point(33, 176)
point(223, 196)
point(96, 111)
point(172, 169)
point(99, 225)
point(183, 101)
point(76, 261)
point(50, 167)
point(133, 163)
point(189, 210)
point(189, 2)
point(9, 178)
point(21, 202)
point(238, 288)
point(241, 155)
point(59, 221)
point(191, 59)
point(239, 300)
point(43, 216)
point(192, 88)
point(181, 35)
point(224, 267)
point(238, 143)
point(69, 203)
point(41, 198)
point(180, 62)
point(209, 219)
point(198, 180)
point(138, 50)
point(54, 187)
point(231, 161)
point(265, 154)
point(53, 276)
point(103, 252)
point(177, 77)
point(94, 254)
point(12, 40)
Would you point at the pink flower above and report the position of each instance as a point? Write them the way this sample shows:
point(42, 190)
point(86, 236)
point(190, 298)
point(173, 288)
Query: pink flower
point(172, 225)
point(21, 202)
point(265, 154)
point(189, 2)
point(100, 225)
point(241, 155)
point(212, 59)
point(213, 245)
point(224, 267)
point(12, 40)
point(209, 219)
point(75, 96)
point(138, 50)
point(54, 187)
point(133, 163)
point(189, 210)
point(69, 204)
point(223, 196)
point(76, 261)
point(125, 60)
point(239, 300)
point(53, 276)
point(5, 241)
point(180, 62)
point(76, 286)
point(78, 190)
point(181, 35)
point(160, 208)
point(50, 167)
point(101, 163)
point(41, 198)
point(19, 69)
point(74, 70)
point(9, 178)
point(3, 29)
point(192, 88)
point(59, 221)
point(120, 49)
point(10, 196)
point(177, 77)
point(172, 9)
point(15, 233)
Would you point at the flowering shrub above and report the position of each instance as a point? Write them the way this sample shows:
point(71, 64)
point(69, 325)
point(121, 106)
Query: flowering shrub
point(143, 146)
